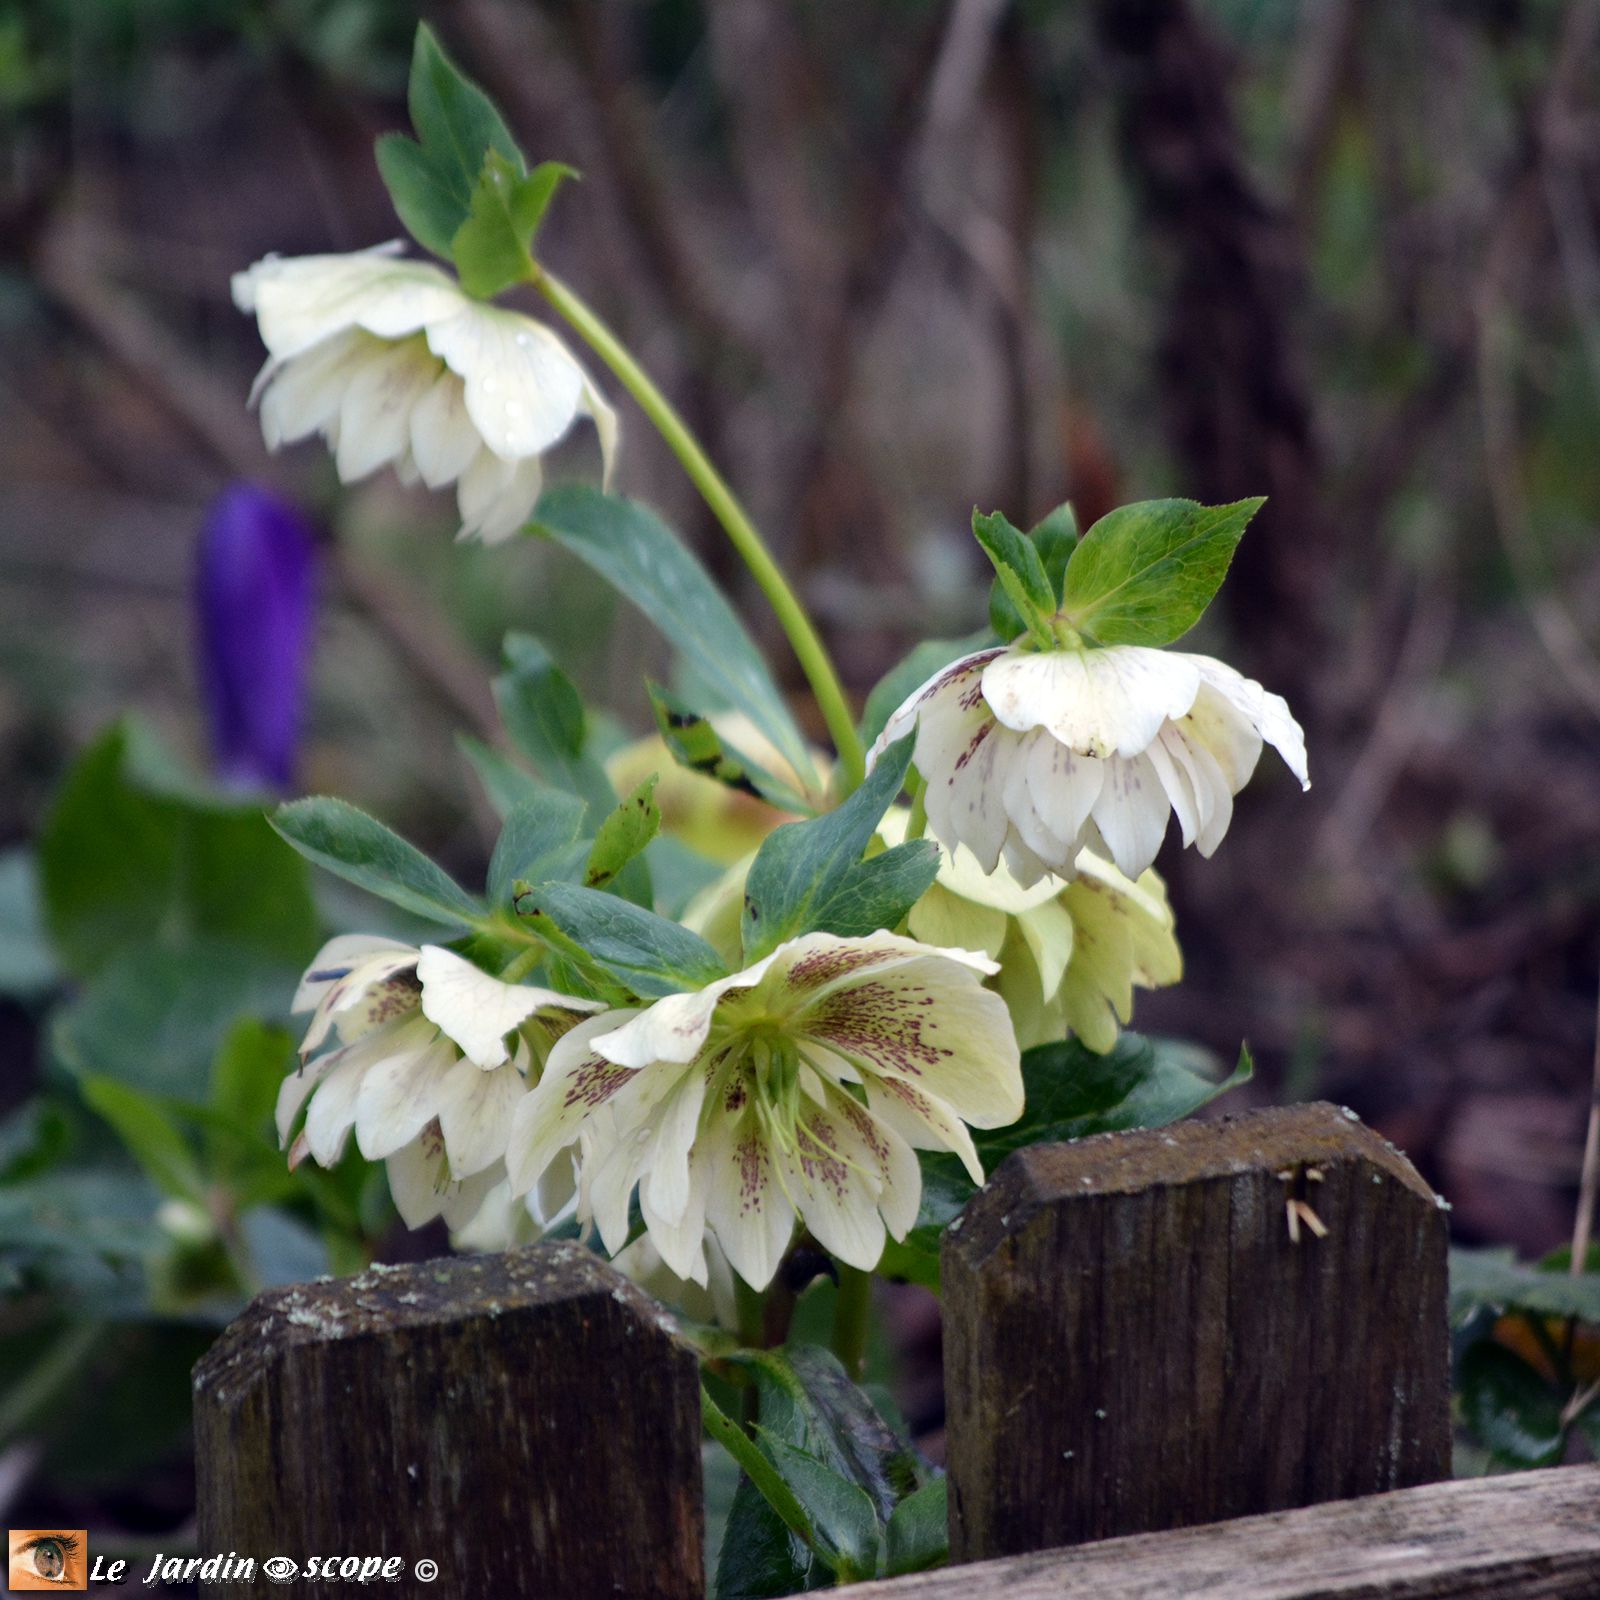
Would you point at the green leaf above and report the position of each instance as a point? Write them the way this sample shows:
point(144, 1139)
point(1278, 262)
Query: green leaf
point(1055, 537)
point(28, 966)
point(914, 670)
point(846, 1527)
point(155, 1018)
point(1511, 1409)
point(505, 784)
point(538, 830)
point(1070, 1093)
point(1496, 1279)
point(696, 745)
point(145, 1127)
point(246, 1075)
point(431, 182)
point(918, 1534)
point(809, 1401)
point(491, 247)
point(1023, 600)
point(633, 549)
point(545, 720)
point(624, 834)
point(359, 849)
point(123, 867)
point(420, 187)
point(652, 956)
point(1144, 573)
point(760, 1558)
point(810, 875)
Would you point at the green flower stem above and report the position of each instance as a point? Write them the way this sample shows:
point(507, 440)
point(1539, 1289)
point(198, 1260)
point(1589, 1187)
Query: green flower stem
point(808, 647)
point(851, 1313)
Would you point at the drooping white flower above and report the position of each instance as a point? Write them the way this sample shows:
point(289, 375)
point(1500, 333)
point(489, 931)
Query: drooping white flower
point(1038, 755)
point(425, 1057)
point(394, 364)
point(797, 1088)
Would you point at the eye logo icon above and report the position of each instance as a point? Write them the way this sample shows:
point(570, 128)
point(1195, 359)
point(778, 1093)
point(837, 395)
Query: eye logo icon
point(43, 1560)
point(280, 1568)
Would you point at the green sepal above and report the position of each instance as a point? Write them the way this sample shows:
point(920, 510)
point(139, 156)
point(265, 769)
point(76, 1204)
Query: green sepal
point(537, 831)
point(1055, 537)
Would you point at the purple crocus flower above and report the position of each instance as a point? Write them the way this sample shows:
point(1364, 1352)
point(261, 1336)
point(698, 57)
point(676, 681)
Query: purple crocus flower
point(254, 601)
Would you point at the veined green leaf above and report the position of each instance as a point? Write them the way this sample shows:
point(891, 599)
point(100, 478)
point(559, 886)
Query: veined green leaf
point(335, 835)
point(810, 875)
point(544, 717)
point(652, 956)
point(1143, 574)
point(539, 829)
point(1055, 537)
point(846, 1528)
point(1495, 1278)
point(630, 547)
point(1022, 600)
point(1511, 1408)
point(918, 1534)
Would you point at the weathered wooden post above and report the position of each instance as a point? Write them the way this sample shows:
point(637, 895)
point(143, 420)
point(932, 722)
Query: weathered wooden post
point(1178, 1326)
point(525, 1422)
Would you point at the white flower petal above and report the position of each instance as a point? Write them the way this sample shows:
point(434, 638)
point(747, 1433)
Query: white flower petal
point(523, 386)
point(1096, 702)
point(1131, 813)
point(576, 1081)
point(399, 1095)
point(965, 756)
point(294, 1090)
point(304, 396)
point(675, 1028)
point(444, 442)
point(745, 1203)
point(475, 1109)
point(922, 1018)
point(375, 412)
point(1048, 933)
point(922, 1120)
point(951, 682)
point(300, 301)
point(478, 1011)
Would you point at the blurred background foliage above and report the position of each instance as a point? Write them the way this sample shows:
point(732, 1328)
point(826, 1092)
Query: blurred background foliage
point(891, 260)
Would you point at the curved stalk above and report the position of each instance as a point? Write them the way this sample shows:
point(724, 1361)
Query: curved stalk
point(808, 647)
point(852, 1312)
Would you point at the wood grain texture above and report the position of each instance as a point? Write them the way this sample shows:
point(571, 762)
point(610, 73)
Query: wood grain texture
point(1533, 1536)
point(525, 1420)
point(1134, 1342)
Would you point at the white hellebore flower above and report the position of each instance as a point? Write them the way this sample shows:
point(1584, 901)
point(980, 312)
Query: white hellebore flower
point(1038, 755)
point(395, 364)
point(419, 1065)
point(1070, 952)
point(798, 1086)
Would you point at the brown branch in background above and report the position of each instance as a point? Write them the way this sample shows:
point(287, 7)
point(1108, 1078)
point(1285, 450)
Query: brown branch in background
point(215, 419)
point(1238, 406)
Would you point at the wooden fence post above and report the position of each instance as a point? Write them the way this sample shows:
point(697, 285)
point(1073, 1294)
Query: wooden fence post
point(524, 1421)
point(1158, 1329)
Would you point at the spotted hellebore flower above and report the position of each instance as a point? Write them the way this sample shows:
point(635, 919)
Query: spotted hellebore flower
point(1070, 952)
point(426, 1057)
point(798, 1087)
point(393, 363)
point(1038, 755)
point(255, 599)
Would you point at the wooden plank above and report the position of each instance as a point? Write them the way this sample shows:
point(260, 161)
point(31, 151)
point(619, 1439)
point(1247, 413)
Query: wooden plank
point(1532, 1536)
point(1134, 1341)
point(525, 1420)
